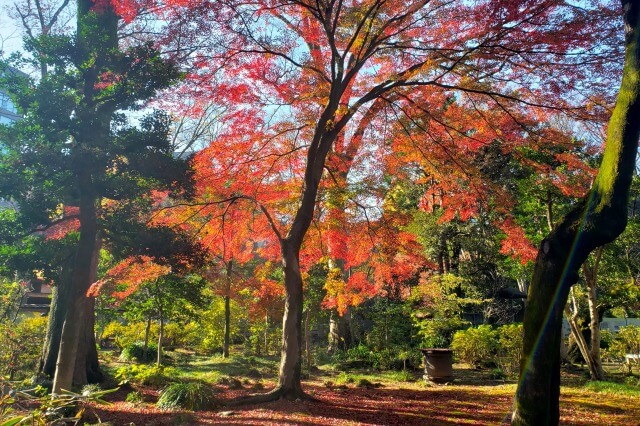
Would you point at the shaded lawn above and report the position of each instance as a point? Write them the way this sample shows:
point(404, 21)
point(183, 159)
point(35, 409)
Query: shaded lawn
point(392, 404)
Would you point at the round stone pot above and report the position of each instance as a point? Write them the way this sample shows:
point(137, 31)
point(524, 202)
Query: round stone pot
point(438, 365)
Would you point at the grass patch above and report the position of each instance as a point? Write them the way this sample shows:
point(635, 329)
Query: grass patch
point(612, 388)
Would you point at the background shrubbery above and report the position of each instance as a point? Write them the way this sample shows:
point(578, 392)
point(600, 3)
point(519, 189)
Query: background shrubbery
point(485, 346)
point(21, 346)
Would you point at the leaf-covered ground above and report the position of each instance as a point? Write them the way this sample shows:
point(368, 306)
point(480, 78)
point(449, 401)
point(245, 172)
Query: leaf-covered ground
point(471, 400)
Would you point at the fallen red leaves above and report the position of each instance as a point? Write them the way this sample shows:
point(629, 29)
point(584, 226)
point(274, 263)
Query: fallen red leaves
point(414, 405)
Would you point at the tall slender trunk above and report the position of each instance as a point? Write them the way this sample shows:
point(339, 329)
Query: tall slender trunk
point(576, 332)
point(227, 312)
point(266, 334)
point(307, 339)
point(597, 220)
point(591, 278)
point(159, 357)
point(160, 323)
point(147, 330)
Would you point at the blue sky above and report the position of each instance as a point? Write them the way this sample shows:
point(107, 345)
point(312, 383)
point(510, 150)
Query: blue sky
point(10, 35)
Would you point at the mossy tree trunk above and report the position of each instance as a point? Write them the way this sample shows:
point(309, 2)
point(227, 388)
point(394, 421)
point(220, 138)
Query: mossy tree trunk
point(598, 219)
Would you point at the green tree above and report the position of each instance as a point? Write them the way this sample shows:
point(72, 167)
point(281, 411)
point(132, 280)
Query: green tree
point(75, 147)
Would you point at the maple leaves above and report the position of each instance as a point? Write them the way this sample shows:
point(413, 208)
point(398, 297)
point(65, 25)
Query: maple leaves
point(125, 277)
point(329, 106)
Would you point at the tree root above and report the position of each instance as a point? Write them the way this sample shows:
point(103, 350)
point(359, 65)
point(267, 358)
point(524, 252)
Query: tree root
point(273, 395)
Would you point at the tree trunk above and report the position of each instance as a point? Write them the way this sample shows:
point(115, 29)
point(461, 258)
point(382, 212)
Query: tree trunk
point(581, 342)
point(160, 323)
point(591, 278)
point(290, 361)
point(147, 330)
point(96, 34)
point(334, 333)
point(57, 312)
point(87, 345)
point(76, 314)
point(266, 334)
point(598, 219)
point(227, 312)
point(339, 331)
point(160, 341)
point(87, 369)
point(307, 339)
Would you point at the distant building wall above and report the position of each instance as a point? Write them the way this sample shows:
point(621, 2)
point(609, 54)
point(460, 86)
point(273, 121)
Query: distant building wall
point(8, 111)
point(614, 324)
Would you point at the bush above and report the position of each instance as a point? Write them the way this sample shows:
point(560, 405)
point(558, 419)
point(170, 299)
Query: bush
point(136, 352)
point(127, 334)
point(475, 345)
point(20, 346)
point(439, 332)
point(134, 397)
point(145, 375)
point(189, 396)
point(627, 341)
point(509, 349)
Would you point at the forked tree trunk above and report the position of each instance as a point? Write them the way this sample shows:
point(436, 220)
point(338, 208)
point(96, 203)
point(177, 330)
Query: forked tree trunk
point(77, 311)
point(57, 312)
point(87, 345)
point(581, 342)
point(598, 219)
point(591, 278)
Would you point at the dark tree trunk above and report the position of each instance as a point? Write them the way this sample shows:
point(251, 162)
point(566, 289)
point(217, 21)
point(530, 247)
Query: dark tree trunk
point(291, 360)
point(598, 219)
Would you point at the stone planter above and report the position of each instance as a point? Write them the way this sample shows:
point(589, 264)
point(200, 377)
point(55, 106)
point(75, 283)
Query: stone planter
point(438, 365)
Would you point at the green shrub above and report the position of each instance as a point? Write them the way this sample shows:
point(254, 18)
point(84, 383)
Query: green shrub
point(134, 397)
point(21, 346)
point(497, 374)
point(189, 396)
point(145, 375)
point(627, 341)
point(136, 352)
point(475, 345)
point(509, 349)
point(439, 332)
point(344, 378)
point(127, 334)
